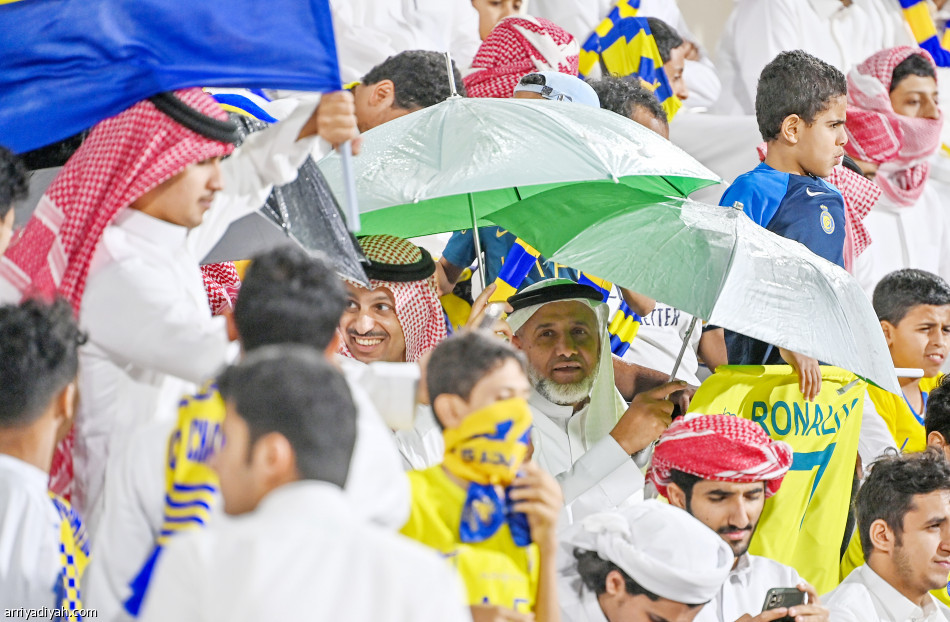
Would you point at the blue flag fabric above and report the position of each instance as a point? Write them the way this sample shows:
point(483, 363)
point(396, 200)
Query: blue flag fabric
point(68, 64)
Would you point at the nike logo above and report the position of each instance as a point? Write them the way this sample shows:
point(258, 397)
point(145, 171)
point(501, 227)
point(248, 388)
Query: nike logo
point(809, 192)
point(500, 232)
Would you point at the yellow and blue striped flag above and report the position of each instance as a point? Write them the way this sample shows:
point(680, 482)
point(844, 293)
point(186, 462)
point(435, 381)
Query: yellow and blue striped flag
point(623, 329)
point(69, 64)
point(518, 263)
point(624, 46)
point(917, 15)
point(599, 284)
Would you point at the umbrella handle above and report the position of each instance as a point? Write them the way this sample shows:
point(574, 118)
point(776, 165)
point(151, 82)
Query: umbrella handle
point(679, 358)
point(349, 187)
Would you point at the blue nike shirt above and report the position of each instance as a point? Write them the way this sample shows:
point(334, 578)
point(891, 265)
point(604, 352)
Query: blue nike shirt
point(798, 207)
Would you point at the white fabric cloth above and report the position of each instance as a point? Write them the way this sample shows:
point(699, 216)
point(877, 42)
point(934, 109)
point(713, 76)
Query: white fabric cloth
point(302, 554)
point(659, 340)
point(745, 588)
point(376, 489)
point(151, 334)
point(662, 548)
point(423, 445)
point(907, 237)
point(370, 31)
point(594, 476)
point(757, 30)
point(578, 604)
point(29, 537)
point(864, 595)
point(874, 439)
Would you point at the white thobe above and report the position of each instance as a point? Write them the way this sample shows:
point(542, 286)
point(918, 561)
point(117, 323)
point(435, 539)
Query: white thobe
point(594, 476)
point(757, 30)
point(376, 489)
point(745, 588)
point(151, 334)
point(370, 31)
point(302, 554)
point(864, 596)
point(29, 537)
point(423, 445)
point(916, 236)
point(578, 608)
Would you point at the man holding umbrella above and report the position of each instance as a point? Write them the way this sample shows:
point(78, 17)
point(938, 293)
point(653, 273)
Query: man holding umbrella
point(584, 433)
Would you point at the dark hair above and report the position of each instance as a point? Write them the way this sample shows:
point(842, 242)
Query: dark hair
point(419, 78)
point(39, 356)
point(289, 296)
point(937, 416)
point(888, 492)
point(13, 180)
point(795, 83)
point(294, 391)
point(458, 363)
point(625, 96)
point(533, 78)
point(913, 65)
point(667, 39)
point(900, 291)
point(685, 481)
point(594, 570)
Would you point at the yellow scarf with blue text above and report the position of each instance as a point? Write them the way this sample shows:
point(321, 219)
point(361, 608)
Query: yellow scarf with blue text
point(487, 450)
point(73, 557)
point(191, 485)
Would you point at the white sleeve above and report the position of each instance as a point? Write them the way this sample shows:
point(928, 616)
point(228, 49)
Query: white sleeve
point(874, 438)
point(377, 485)
point(444, 599)
point(137, 314)
point(178, 584)
point(266, 158)
point(130, 523)
point(602, 478)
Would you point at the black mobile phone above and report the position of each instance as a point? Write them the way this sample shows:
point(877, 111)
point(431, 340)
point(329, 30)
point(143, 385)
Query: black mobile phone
point(783, 597)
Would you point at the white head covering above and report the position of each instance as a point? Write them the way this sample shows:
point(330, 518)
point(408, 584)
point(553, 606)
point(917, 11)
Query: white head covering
point(606, 403)
point(663, 548)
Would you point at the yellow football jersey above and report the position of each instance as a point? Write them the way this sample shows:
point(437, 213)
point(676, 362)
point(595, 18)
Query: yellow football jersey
point(903, 424)
point(495, 571)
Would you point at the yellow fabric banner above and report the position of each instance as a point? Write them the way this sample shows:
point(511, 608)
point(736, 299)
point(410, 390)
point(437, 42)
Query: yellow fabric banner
point(803, 524)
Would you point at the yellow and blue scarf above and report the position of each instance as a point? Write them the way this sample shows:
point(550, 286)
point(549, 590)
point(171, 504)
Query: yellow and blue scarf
point(917, 15)
point(191, 485)
point(73, 557)
point(487, 450)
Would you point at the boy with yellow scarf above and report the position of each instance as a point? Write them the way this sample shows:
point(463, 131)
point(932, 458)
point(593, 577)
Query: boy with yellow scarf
point(489, 511)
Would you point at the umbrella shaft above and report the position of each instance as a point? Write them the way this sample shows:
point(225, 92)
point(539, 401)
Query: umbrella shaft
point(679, 358)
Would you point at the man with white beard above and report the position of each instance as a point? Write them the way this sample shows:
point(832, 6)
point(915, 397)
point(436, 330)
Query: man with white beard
point(583, 433)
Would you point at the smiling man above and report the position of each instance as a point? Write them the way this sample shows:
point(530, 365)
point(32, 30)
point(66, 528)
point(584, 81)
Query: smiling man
point(903, 512)
point(720, 469)
point(399, 318)
point(584, 433)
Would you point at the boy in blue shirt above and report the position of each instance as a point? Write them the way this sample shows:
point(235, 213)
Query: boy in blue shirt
point(800, 107)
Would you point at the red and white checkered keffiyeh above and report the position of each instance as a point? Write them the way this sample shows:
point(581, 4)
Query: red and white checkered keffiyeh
point(720, 447)
point(122, 158)
point(900, 145)
point(860, 194)
point(417, 302)
point(222, 283)
point(516, 47)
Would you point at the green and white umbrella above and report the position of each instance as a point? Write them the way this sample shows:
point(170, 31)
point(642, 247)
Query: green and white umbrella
point(714, 263)
point(445, 167)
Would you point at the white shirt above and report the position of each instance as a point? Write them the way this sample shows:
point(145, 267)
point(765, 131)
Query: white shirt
point(745, 588)
point(864, 595)
point(29, 537)
point(659, 340)
point(594, 476)
point(370, 31)
point(302, 554)
point(757, 30)
point(916, 236)
point(151, 334)
point(376, 489)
